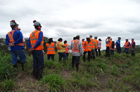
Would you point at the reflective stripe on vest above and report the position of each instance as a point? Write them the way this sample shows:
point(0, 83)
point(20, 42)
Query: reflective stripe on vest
point(75, 49)
point(34, 36)
point(50, 47)
point(10, 35)
point(32, 39)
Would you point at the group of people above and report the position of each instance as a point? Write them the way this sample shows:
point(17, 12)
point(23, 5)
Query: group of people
point(78, 48)
point(110, 46)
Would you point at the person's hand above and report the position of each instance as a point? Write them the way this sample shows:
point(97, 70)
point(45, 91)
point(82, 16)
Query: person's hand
point(25, 48)
point(31, 49)
point(11, 44)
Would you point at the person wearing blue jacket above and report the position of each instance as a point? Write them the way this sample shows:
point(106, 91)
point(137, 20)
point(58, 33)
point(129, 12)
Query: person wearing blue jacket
point(118, 45)
point(14, 39)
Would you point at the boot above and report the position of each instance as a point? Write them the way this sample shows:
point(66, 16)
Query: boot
point(40, 73)
point(22, 65)
point(76, 67)
point(15, 66)
point(36, 73)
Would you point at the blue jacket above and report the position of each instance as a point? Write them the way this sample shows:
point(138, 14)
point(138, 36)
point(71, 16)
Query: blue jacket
point(118, 43)
point(18, 38)
point(38, 42)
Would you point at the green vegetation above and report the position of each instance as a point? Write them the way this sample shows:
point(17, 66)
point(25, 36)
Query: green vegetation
point(119, 73)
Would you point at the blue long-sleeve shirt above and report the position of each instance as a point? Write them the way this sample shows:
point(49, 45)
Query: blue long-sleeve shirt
point(18, 38)
point(118, 43)
point(38, 41)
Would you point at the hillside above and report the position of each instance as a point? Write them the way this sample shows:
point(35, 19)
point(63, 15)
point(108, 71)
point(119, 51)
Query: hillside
point(117, 73)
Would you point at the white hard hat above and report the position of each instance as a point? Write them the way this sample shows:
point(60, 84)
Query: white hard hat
point(87, 36)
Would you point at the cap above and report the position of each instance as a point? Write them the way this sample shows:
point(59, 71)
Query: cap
point(36, 23)
point(13, 23)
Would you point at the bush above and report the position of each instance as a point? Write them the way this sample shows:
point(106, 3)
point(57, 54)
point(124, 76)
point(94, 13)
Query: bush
point(6, 67)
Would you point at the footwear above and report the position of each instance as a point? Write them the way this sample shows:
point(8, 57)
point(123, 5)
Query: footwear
point(36, 73)
point(40, 72)
point(15, 66)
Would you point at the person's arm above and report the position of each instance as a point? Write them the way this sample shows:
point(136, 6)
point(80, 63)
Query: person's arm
point(7, 40)
point(20, 37)
point(39, 40)
point(29, 44)
point(81, 49)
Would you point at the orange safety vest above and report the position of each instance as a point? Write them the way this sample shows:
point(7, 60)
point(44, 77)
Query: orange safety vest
point(67, 48)
point(113, 48)
point(126, 43)
point(50, 48)
point(96, 43)
point(10, 35)
point(84, 46)
point(58, 48)
point(99, 45)
point(75, 49)
point(109, 43)
point(34, 38)
point(93, 41)
point(88, 46)
point(132, 43)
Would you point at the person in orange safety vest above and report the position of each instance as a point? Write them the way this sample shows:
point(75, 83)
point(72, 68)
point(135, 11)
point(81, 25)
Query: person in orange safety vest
point(35, 43)
point(132, 47)
point(87, 49)
point(96, 46)
point(61, 49)
point(14, 39)
point(50, 49)
point(126, 46)
point(77, 51)
point(108, 45)
point(112, 48)
point(66, 49)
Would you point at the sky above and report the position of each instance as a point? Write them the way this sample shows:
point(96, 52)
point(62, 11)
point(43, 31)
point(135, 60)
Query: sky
point(68, 18)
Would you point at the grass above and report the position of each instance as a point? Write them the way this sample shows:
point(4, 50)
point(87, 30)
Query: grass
point(119, 73)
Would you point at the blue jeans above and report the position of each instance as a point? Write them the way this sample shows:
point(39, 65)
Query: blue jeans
point(50, 56)
point(63, 54)
point(112, 52)
point(20, 53)
point(126, 50)
point(38, 60)
point(67, 54)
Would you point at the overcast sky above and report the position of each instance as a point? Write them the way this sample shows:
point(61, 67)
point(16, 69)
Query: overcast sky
point(67, 18)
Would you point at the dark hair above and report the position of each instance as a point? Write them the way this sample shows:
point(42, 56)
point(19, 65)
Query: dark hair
point(95, 37)
point(77, 37)
point(113, 43)
point(60, 39)
point(88, 39)
point(65, 41)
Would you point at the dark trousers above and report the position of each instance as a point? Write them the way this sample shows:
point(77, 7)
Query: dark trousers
point(112, 52)
point(99, 52)
point(67, 54)
point(118, 49)
point(92, 54)
point(89, 56)
point(132, 52)
point(50, 56)
point(107, 52)
point(63, 54)
point(75, 61)
point(96, 52)
point(38, 61)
